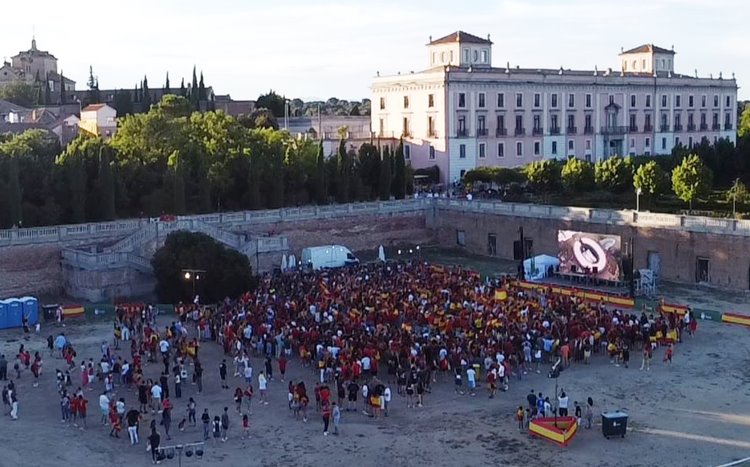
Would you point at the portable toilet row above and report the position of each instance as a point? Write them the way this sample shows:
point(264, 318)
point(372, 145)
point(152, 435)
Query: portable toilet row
point(13, 310)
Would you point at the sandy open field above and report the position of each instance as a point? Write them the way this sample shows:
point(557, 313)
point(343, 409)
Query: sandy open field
point(696, 413)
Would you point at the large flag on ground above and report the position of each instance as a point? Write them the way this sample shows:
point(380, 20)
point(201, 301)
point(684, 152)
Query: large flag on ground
point(73, 311)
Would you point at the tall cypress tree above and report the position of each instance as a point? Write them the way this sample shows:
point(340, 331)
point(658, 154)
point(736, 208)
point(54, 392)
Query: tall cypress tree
point(15, 196)
point(344, 171)
point(194, 90)
point(183, 91)
point(106, 184)
point(320, 176)
point(146, 95)
point(166, 85)
point(399, 176)
point(384, 184)
point(62, 88)
point(201, 90)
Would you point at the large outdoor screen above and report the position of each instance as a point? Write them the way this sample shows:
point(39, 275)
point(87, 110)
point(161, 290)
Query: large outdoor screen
point(594, 255)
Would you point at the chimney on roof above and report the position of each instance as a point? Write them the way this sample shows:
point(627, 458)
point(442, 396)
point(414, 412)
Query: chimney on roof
point(622, 49)
point(507, 67)
point(696, 72)
point(430, 38)
point(488, 38)
point(596, 70)
point(561, 70)
point(672, 47)
point(458, 36)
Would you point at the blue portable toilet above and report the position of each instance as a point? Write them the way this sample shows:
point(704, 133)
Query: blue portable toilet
point(31, 309)
point(3, 315)
point(14, 313)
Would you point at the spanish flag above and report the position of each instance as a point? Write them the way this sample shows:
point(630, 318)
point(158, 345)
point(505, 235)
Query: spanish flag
point(667, 308)
point(73, 311)
point(734, 318)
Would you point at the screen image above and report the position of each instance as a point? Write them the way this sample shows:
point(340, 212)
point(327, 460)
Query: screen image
point(595, 255)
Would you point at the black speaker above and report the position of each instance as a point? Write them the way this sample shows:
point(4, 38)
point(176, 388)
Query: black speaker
point(517, 250)
point(596, 270)
point(573, 268)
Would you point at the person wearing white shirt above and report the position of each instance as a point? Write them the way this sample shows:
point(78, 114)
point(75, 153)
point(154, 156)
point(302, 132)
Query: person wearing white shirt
point(471, 380)
point(387, 399)
point(164, 346)
point(156, 392)
point(104, 407)
point(562, 403)
point(262, 387)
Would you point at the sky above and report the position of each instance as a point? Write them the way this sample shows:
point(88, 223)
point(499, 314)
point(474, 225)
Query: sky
point(316, 49)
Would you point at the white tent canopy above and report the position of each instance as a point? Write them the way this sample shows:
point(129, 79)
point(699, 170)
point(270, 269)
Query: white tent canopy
point(541, 265)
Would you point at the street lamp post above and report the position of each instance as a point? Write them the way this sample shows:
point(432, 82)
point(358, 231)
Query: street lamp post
point(638, 193)
point(193, 275)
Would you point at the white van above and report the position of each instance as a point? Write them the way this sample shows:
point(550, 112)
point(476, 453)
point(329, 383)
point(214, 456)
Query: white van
point(328, 256)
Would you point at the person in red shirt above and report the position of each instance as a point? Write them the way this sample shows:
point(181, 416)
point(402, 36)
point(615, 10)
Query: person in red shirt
point(83, 404)
point(282, 366)
point(74, 410)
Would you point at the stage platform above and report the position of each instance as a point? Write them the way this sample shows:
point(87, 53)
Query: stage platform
point(588, 284)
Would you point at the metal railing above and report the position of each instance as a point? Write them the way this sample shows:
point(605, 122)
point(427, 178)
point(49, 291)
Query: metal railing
point(555, 130)
point(537, 131)
point(571, 130)
point(482, 132)
point(501, 132)
point(520, 131)
point(461, 133)
point(614, 130)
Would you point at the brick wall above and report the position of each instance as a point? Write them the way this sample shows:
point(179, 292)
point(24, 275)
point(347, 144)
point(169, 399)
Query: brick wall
point(357, 234)
point(30, 270)
point(728, 255)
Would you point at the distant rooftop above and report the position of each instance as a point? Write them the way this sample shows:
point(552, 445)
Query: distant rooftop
point(460, 36)
point(648, 48)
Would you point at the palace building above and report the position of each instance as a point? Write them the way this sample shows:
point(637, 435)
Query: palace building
point(462, 112)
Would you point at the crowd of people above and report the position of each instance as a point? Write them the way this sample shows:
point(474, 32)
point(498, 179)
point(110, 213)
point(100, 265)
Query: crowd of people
point(359, 331)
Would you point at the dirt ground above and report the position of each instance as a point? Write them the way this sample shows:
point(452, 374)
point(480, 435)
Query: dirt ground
point(694, 413)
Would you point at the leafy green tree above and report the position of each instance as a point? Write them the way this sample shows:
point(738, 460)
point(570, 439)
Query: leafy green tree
point(737, 194)
point(106, 186)
point(650, 179)
point(15, 196)
point(577, 175)
point(19, 93)
point(272, 102)
point(743, 129)
point(614, 174)
point(385, 177)
point(691, 179)
point(227, 272)
point(260, 118)
point(544, 176)
point(399, 177)
point(178, 183)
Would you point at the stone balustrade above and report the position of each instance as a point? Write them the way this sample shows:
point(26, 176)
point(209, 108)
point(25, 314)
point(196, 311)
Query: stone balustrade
point(220, 225)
